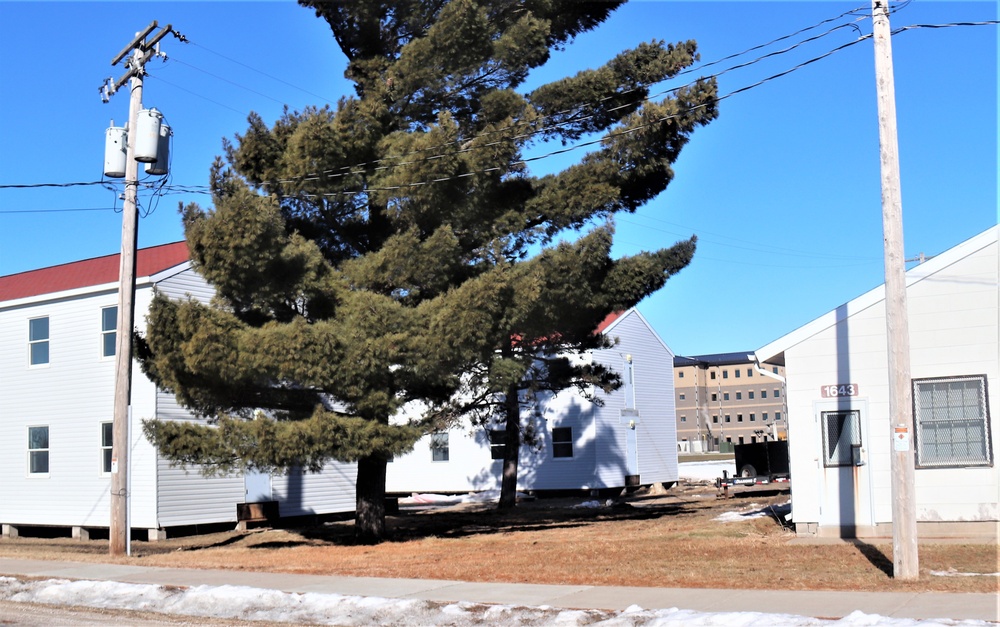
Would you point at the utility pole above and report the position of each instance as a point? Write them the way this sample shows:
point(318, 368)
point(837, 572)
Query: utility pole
point(141, 51)
point(904, 511)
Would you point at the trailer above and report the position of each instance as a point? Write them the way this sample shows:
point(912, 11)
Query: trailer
point(758, 463)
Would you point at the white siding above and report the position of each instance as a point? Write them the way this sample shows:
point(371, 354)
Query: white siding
point(599, 435)
point(656, 429)
point(72, 395)
point(954, 321)
point(327, 492)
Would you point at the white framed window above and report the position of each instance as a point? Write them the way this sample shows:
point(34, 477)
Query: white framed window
point(562, 442)
point(763, 393)
point(498, 443)
point(109, 327)
point(38, 341)
point(439, 447)
point(841, 436)
point(952, 422)
point(750, 394)
point(107, 430)
point(38, 450)
point(684, 419)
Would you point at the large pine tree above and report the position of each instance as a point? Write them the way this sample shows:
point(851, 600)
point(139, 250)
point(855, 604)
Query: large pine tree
point(396, 248)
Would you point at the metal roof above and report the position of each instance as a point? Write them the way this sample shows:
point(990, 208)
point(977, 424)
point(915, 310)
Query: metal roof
point(90, 272)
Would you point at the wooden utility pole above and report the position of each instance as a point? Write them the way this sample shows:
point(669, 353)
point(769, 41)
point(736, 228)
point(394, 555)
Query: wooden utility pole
point(141, 51)
point(905, 564)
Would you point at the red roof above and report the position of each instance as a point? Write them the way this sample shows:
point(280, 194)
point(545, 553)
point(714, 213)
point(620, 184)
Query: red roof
point(611, 317)
point(96, 271)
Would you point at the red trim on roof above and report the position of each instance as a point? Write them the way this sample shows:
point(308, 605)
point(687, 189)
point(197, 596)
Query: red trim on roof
point(96, 271)
point(611, 317)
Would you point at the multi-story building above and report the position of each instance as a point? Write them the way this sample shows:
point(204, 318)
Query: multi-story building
point(727, 397)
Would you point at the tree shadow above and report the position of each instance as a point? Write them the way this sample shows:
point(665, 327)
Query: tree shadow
point(486, 520)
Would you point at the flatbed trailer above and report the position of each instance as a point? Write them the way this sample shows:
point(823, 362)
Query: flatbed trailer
point(758, 463)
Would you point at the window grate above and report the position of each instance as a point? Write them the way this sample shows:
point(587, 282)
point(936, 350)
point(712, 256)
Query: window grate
point(841, 435)
point(952, 426)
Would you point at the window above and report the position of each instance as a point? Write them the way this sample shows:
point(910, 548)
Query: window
point(763, 393)
point(562, 442)
point(680, 374)
point(753, 417)
point(777, 393)
point(109, 324)
point(777, 416)
point(725, 396)
point(763, 416)
point(774, 370)
point(728, 419)
point(106, 439)
point(749, 372)
point(736, 373)
point(725, 374)
point(729, 439)
point(439, 447)
point(753, 439)
point(38, 341)
point(715, 420)
point(750, 395)
point(952, 422)
point(741, 439)
point(498, 443)
point(739, 417)
point(711, 375)
point(684, 419)
point(682, 396)
point(841, 437)
point(739, 396)
point(715, 396)
point(38, 450)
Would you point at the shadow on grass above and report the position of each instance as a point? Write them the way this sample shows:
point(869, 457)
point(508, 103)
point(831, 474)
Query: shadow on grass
point(874, 555)
point(454, 524)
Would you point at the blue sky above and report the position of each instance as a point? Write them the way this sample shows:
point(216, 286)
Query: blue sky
point(782, 189)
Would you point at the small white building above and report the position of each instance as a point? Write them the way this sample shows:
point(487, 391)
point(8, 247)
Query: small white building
point(631, 439)
point(837, 386)
point(57, 345)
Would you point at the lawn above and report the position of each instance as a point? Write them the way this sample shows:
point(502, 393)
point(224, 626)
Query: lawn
point(676, 539)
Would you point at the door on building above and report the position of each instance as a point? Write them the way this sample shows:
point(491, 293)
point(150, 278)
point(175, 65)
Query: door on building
point(258, 486)
point(845, 476)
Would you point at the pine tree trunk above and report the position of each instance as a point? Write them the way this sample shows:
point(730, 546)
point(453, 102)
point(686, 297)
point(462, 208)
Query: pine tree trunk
point(511, 450)
point(369, 515)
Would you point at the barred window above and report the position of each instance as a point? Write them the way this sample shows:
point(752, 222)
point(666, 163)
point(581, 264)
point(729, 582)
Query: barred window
point(952, 422)
point(841, 435)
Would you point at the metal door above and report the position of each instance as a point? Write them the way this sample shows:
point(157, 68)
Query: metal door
point(845, 476)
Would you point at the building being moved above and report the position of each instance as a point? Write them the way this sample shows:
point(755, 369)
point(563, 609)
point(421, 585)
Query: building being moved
point(57, 360)
point(628, 438)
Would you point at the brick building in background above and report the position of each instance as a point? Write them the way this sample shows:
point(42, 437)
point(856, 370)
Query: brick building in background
point(726, 397)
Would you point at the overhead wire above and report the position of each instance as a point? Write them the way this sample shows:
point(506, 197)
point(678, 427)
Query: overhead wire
point(353, 169)
point(578, 146)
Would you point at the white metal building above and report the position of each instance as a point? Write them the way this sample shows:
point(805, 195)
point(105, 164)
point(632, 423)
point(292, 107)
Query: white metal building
point(581, 445)
point(57, 343)
point(838, 403)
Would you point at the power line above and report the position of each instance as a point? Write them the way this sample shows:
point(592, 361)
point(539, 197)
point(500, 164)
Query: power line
point(68, 210)
point(352, 169)
point(578, 146)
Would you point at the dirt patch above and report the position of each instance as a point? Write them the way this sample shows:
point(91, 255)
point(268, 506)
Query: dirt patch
point(683, 538)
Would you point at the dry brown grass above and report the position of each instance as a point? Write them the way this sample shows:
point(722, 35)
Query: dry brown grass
point(665, 541)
